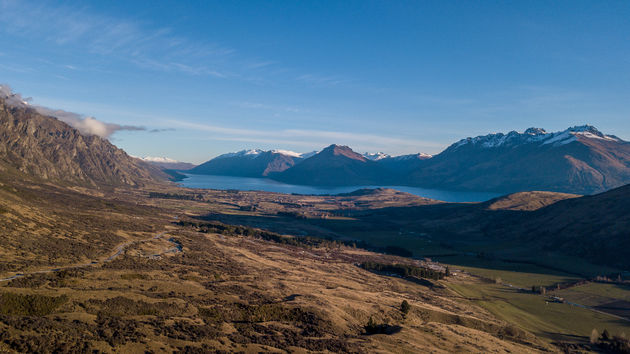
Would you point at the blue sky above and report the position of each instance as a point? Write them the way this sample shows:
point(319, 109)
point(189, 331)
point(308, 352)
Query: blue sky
point(210, 77)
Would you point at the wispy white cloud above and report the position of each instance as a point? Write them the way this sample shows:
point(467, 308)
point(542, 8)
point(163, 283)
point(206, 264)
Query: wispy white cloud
point(321, 80)
point(146, 45)
point(542, 97)
point(263, 106)
point(85, 125)
point(443, 100)
point(260, 64)
point(213, 128)
point(17, 69)
point(284, 142)
point(312, 139)
point(127, 39)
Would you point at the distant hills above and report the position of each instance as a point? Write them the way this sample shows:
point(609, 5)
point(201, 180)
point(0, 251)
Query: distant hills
point(541, 227)
point(250, 163)
point(578, 160)
point(167, 163)
point(592, 227)
point(44, 147)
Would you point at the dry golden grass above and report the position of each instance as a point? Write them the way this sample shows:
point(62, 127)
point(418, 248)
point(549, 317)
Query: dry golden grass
point(215, 271)
point(528, 200)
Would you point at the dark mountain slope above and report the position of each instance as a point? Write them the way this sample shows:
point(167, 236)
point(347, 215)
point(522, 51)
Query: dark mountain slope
point(595, 227)
point(247, 163)
point(399, 167)
point(334, 166)
point(531, 225)
point(47, 148)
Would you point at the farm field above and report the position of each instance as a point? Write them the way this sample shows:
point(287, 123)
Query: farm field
point(534, 313)
point(605, 297)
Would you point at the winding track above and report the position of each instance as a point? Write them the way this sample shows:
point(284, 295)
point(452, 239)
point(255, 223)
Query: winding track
point(120, 249)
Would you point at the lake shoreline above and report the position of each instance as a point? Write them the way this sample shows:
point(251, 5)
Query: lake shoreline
point(270, 185)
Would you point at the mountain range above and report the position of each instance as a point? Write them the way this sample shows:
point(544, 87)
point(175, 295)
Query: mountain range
point(42, 149)
point(579, 160)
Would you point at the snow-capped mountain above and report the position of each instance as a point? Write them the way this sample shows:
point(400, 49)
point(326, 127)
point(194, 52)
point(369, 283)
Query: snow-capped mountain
point(580, 159)
point(380, 156)
point(418, 156)
point(375, 156)
point(167, 163)
point(253, 153)
point(334, 165)
point(250, 163)
point(535, 135)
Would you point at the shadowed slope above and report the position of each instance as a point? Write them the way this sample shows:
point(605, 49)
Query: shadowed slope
point(254, 163)
point(527, 201)
point(334, 166)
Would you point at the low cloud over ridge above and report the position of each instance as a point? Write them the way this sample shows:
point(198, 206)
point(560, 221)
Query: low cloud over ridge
point(85, 125)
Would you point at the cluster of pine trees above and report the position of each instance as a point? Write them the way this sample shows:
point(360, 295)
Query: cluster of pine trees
point(403, 270)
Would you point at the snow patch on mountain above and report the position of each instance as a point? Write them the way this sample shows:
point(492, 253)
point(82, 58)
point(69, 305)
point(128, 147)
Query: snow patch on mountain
point(560, 138)
point(158, 159)
point(595, 136)
point(535, 135)
point(375, 156)
point(306, 155)
point(286, 152)
point(252, 153)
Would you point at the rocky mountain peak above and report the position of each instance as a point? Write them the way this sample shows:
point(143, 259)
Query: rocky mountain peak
point(45, 147)
point(535, 131)
point(342, 150)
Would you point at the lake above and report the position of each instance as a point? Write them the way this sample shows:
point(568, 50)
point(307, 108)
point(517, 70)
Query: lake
point(268, 185)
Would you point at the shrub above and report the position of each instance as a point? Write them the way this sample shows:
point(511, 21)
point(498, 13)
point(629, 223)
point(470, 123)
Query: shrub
point(256, 313)
point(405, 307)
point(380, 328)
point(29, 305)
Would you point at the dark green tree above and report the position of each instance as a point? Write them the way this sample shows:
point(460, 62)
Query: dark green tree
point(405, 307)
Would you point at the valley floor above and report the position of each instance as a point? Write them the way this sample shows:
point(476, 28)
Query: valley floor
point(157, 285)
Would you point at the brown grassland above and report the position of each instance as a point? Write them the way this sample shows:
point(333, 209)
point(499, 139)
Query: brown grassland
point(111, 271)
